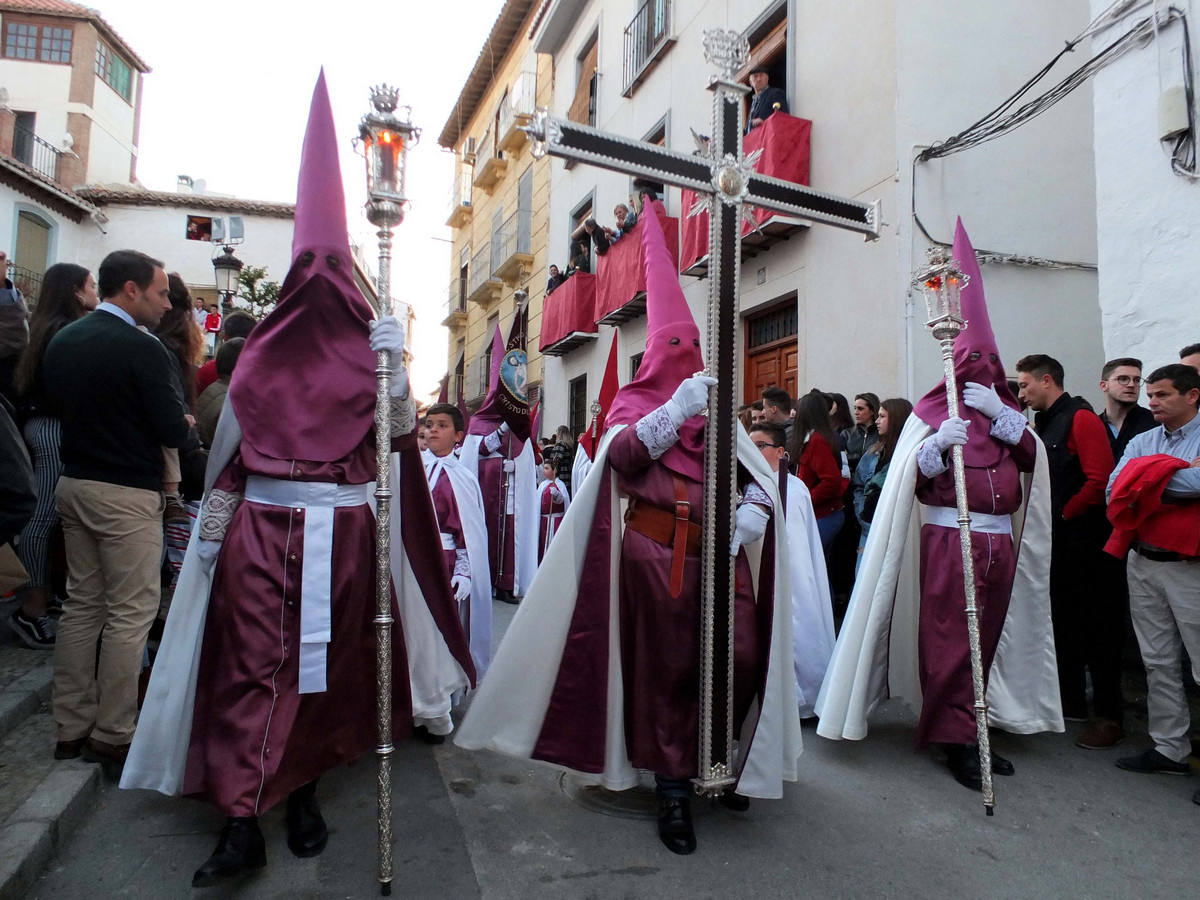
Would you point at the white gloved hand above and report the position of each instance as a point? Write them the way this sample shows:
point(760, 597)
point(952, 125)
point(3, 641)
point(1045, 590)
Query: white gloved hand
point(387, 334)
point(749, 524)
point(689, 399)
point(949, 433)
point(207, 552)
point(461, 586)
point(503, 429)
point(510, 466)
point(984, 399)
point(555, 494)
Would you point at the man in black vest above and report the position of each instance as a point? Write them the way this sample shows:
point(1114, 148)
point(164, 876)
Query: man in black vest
point(1121, 382)
point(111, 384)
point(1089, 620)
point(766, 99)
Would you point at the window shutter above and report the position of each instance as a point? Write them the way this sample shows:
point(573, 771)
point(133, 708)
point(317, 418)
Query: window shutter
point(579, 106)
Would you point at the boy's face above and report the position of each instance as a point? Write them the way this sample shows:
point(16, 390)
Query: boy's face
point(440, 435)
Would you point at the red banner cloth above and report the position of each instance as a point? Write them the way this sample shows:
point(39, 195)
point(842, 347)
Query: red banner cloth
point(569, 307)
point(785, 143)
point(622, 270)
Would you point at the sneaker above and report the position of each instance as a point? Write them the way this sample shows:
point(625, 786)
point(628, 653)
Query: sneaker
point(1100, 734)
point(174, 510)
point(35, 632)
point(1151, 762)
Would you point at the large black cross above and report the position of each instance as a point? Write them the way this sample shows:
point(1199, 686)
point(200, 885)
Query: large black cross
point(726, 181)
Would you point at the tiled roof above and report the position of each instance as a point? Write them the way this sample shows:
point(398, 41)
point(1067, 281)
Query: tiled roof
point(505, 32)
point(36, 180)
point(75, 11)
point(106, 196)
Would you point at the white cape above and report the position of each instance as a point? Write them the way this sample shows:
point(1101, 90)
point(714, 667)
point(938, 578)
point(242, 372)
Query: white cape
point(158, 756)
point(580, 466)
point(525, 509)
point(812, 612)
point(876, 652)
point(507, 712)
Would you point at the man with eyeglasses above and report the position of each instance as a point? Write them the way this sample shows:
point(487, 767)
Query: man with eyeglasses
point(1154, 505)
point(1121, 382)
point(1085, 609)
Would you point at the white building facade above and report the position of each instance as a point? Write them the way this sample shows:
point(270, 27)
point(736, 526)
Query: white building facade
point(880, 80)
point(1147, 215)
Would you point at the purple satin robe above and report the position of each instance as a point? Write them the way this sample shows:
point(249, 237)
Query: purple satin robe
point(948, 699)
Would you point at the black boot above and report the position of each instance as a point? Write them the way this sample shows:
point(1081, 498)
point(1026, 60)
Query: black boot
point(240, 849)
point(1002, 766)
point(307, 834)
point(963, 761)
point(733, 801)
point(675, 824)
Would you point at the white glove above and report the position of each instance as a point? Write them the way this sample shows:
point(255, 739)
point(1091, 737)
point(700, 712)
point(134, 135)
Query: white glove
point(510, 465)
point(461, 585)
point(388, 334)
point(207, 552)
point(949, 433)
point(555, 494)
point(503, 429)
point(749, 524)
point(984, 399)
point(689, 399)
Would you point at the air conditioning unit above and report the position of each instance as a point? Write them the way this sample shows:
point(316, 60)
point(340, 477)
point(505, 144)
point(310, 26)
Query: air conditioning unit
point(468, 152)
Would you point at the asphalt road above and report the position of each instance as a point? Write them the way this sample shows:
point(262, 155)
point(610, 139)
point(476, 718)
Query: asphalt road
point(867, 819)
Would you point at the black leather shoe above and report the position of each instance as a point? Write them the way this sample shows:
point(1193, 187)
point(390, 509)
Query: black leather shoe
point(240, 849)
point(506, 596)
point(1002, 766)
point(734, 801)
point(421, 733)
point(307, 834)
point(675, 825)
point(963, 762)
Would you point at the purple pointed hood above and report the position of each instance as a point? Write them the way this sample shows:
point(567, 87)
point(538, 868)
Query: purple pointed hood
point(304, 387)
point(976, 358)
point(672, 351)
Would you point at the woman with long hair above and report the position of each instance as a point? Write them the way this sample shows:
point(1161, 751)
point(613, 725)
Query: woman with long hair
point(181, 335)
point(68, 293)
point(818, 457)
point(872, 468)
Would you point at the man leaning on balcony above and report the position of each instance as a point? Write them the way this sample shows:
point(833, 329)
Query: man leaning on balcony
point(766, 99)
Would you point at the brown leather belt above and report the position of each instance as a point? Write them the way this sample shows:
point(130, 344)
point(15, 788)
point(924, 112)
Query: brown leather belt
point(672, 529)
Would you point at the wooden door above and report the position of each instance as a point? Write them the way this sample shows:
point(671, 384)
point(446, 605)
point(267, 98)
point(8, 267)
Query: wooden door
point(772, 353)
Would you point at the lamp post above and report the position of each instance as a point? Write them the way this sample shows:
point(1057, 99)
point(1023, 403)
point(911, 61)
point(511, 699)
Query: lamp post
point(226, 268)
point(385, 139)
point(941, 283)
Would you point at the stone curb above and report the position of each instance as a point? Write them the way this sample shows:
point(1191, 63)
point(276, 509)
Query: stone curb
point(23, 697)
point(33, 833)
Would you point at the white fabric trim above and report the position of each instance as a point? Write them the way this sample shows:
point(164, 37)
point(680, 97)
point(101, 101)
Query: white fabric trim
point(985, 523)
point(657, 430)
point(318, 500)
point(1008, 426)
point(448, 542)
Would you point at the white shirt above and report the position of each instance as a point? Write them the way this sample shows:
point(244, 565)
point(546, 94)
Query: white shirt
point(115, 310)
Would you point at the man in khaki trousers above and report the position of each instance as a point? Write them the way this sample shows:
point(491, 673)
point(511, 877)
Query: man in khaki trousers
point(111, 384)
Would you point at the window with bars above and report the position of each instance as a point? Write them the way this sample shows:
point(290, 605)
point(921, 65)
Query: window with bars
point(635, 363)
point(46, 43)
point(774, 326)
point(114, 71)
point(577, 404)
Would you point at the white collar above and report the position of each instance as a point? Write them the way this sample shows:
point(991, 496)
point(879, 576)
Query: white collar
point(113, 309)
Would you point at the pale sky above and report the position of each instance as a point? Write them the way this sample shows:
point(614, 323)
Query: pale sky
point(228, 96)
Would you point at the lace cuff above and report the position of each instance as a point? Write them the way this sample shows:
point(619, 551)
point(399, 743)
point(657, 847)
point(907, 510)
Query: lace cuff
point(1009, 426)
point(217, 513)
point(462, 564)
point(491, 442)
point(657, 432)
point(755, 494)
point(404, 416)
point(930, 460)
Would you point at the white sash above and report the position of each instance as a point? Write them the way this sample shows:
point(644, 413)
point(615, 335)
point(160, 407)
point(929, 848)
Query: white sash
point(986, 523)
point(318, 500)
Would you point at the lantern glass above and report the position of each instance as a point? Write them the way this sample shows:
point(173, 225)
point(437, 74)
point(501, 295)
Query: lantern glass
point(226, 269)
point(941, 284)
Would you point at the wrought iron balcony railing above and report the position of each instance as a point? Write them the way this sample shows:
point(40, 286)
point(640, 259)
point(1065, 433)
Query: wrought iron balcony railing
point(36, 153)
point(647, 37)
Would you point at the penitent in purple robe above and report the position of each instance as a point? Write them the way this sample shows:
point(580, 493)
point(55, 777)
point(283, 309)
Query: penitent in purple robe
point(445, 507)
point(948, 704)
point(501, 525)
point(255, 738)
point(660, 647)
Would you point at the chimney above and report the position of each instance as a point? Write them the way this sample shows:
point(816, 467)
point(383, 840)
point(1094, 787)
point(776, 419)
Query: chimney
point(183, 184)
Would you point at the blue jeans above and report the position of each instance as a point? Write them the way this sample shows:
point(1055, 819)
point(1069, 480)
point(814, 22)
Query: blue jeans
point(828, 527)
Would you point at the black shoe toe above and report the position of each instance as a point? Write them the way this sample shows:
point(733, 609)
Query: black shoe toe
point(675, 825)
point(240, 849)
point(734, 801)
point(307, 832)
point(1002, 766)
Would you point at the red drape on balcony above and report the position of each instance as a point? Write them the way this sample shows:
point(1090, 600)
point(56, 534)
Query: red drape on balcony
point(621, 271)
point(568, 308)
point(785, 143)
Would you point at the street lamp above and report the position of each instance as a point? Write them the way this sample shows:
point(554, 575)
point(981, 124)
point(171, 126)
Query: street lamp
point(941, 283)
point(385, 139)
point(226, 267)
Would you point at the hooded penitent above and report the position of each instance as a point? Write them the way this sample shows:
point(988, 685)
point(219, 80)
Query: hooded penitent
point(590, 439)
point(308, 362)
point(672, 352)
point(976, 358)
point(506, 400)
